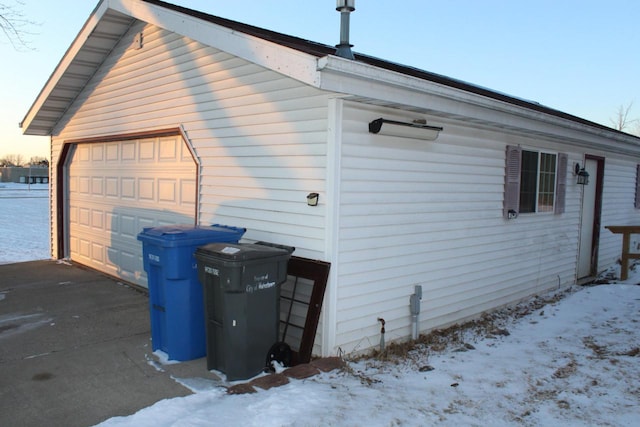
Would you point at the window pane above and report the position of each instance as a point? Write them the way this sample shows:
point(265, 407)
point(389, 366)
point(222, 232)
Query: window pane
point(528, 178)
point(547, 185)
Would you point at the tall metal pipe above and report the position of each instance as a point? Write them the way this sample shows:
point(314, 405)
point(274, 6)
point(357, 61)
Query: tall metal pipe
point(345, 7)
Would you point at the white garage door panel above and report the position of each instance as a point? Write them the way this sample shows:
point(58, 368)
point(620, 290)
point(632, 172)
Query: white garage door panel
point(118, 188)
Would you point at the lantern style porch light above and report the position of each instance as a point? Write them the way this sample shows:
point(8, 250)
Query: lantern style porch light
point(582, 174)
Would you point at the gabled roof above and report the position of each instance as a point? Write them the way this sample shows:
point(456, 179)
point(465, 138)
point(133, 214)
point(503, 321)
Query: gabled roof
point(322, 50)
point(112, 18)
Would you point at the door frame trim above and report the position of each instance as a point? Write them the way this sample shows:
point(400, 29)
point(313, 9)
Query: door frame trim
point(597, 214)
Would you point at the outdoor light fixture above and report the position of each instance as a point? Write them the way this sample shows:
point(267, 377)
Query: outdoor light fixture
point(345, 7)
point(138, 41)
point(312, 199)
point(404, 130)
point(583, 175)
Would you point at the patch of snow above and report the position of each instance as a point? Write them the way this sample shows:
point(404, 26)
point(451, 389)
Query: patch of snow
point(17, 323)
point(35, 356)
point(153, 363)
point(24, 223)
point(163, 358)
point(278, 367)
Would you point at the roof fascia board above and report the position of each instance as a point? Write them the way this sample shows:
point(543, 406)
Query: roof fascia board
point(64, 63)
point(339, 73)
point(293, 63)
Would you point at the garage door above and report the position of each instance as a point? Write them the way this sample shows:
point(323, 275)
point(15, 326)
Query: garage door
point(118, 188)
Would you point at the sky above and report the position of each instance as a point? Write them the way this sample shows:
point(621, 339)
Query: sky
point(577, 56)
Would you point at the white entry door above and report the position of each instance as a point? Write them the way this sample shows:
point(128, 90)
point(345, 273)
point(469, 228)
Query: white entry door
point(115, 189)
point(589, 195)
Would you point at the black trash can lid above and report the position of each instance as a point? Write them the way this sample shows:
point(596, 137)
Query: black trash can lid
point(241, 252)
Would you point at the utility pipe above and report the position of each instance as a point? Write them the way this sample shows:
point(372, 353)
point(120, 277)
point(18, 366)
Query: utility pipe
point(381, 320)
point(414, 307)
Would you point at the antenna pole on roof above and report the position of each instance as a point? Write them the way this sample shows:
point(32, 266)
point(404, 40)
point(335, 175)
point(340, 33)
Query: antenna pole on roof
point(345, 7)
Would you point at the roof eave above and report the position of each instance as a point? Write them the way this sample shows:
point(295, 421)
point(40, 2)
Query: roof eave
point(440, 99)
point(30, 124)
point(290, 61)
point(308, 62)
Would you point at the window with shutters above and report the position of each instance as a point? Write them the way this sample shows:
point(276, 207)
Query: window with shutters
point(534, 182)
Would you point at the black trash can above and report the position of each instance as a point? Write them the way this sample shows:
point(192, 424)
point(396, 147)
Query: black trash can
point(241, 286)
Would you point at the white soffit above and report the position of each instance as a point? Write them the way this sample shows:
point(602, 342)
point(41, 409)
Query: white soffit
point(92, 45)
point(110, 21)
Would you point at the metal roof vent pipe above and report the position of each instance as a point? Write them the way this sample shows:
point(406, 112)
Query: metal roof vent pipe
point(345, 7)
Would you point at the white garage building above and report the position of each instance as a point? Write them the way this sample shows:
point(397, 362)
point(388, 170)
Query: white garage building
point(159, 114)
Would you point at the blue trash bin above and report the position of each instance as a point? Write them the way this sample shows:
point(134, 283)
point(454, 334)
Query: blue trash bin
point(176, 306)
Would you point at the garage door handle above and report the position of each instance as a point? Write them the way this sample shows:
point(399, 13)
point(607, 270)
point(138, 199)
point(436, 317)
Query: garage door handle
point(158, 307)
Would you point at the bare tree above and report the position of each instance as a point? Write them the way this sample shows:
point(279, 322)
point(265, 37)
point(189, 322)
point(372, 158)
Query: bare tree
point(39, 161)
point(14, 24)
point(622, 120)
point(12, 160)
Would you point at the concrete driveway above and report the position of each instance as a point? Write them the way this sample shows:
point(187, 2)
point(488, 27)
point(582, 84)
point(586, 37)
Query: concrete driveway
point(75, 348)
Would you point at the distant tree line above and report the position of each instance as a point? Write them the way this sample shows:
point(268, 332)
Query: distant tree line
point(17, 161)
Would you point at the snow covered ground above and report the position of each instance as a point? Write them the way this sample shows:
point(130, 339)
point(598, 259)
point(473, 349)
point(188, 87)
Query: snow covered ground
point(572, 361)
point(24, 222)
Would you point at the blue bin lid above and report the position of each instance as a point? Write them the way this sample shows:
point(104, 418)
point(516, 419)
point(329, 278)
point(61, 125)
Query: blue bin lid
point(183, 234)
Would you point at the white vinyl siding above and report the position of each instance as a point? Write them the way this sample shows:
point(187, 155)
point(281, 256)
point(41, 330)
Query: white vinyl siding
point(260, 137)
point(618, 208)
point(430, 214)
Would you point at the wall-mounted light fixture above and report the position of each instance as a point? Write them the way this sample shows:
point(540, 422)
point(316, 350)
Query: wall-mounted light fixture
point(583, 175)
point(413, 130)
point(138, 40)
point(312, 199)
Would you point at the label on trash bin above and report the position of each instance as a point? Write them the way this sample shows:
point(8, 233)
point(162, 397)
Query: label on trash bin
point(259, 287)
point(230, 250)
point(260, 283)
point(211, 270)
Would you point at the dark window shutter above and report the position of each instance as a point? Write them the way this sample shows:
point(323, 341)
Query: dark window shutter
point(637, 203)
point(512, 180)
point(561, 183)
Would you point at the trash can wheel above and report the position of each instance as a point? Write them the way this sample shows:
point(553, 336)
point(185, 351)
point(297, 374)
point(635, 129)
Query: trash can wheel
point(279, 352)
